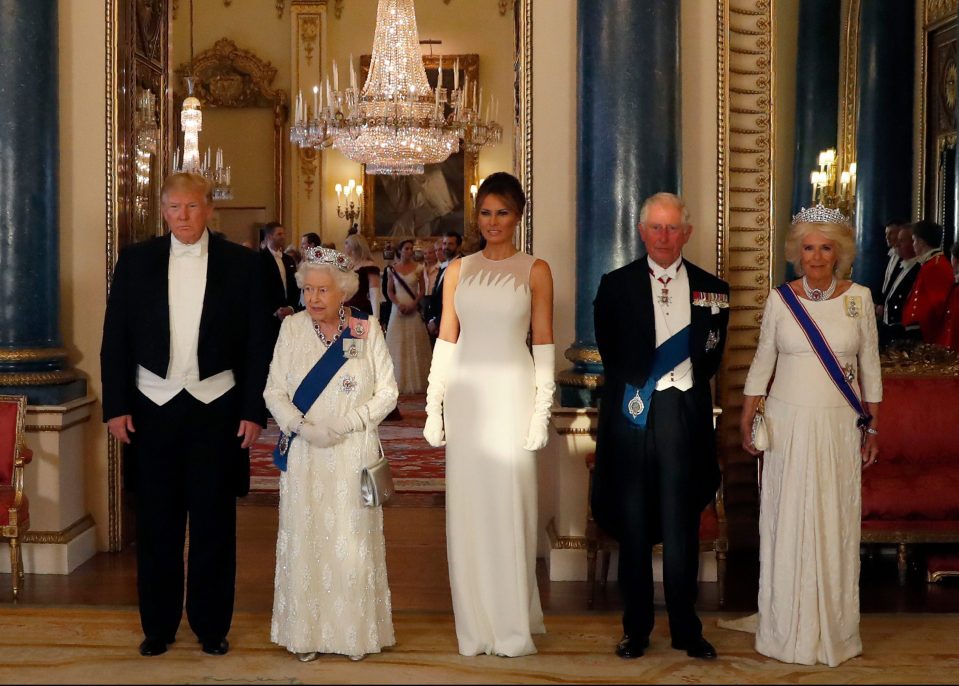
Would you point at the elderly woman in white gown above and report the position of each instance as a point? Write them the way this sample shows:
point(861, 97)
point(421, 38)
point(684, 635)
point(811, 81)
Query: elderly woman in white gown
point(818, 440)
point(330, 385)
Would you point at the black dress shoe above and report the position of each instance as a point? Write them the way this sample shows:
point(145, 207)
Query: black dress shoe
point(630, 648)
point(698, 647)
point(216, 646)
point(152, 646)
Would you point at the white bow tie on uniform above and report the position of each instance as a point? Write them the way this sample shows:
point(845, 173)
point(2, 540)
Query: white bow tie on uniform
point(185, 249)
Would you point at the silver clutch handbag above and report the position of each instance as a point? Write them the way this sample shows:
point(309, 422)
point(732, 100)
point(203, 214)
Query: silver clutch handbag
point(376, 481)
point(760, 432)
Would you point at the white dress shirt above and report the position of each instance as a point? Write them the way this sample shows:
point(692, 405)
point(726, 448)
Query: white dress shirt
point(278, 256)
point(672, 318)
point(186, 283)
point(906, 266)
point(894, 260)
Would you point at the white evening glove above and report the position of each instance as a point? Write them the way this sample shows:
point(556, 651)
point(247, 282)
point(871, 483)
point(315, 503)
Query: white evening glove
point(544, 361)
point(436, 392)
point(329, 431)
point(375, 302)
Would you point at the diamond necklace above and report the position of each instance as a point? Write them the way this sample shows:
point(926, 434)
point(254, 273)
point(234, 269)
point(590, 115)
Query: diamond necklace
point(339, 329)
point(817, 293)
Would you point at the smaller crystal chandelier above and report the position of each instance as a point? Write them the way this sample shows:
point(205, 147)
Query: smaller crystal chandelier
point(832, 190)
point(397, 123)
point(191, 123)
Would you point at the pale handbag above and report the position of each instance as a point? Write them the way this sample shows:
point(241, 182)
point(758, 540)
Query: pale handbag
point(376, 480)
point(760, 431)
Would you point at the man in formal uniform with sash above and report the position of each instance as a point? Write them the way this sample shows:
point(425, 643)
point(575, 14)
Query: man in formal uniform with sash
point(660, 327)
point(926, 304)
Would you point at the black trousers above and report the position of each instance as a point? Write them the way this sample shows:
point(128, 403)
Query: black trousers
point(662, 479)
point(184, 455)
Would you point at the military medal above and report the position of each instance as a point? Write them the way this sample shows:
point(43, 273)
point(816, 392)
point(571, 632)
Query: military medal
point(850, 372)
point(712, 340)
point(635, 406)
point(663, 297)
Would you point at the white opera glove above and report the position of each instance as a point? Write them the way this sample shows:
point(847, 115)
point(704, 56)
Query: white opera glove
point(544, 363)
point(328, 431)
point(375, 302)
point(436, 392)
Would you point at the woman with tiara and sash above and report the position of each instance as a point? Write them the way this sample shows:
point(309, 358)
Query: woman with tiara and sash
point(330, 385)
point(819, 344)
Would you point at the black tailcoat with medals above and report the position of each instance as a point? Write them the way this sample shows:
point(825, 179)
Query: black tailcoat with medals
point(625, 328)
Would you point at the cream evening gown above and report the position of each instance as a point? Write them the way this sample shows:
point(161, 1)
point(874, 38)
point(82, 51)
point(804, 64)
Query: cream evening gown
point(809, 520)
point(407, 338)
point(491, 508)
point(330, 590)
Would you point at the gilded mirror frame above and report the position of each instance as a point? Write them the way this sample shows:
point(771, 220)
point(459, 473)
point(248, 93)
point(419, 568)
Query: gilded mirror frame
point(522, 157)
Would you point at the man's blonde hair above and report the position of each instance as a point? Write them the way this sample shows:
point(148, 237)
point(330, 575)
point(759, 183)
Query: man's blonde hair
point(186, 181)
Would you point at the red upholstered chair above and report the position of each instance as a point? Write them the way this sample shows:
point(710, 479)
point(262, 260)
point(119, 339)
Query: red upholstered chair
point(14, 507)
point(713, 537)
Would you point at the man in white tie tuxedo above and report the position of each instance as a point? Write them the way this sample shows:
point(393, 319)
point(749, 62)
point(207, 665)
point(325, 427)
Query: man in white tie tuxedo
point(894, 263)
point(279, 277)
point(184, 360)
point(452, 249)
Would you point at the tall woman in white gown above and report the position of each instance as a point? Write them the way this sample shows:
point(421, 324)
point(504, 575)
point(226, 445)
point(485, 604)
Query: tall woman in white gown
point(330, 591)
point(809, 520)
point(493, 399)
point(406, 336)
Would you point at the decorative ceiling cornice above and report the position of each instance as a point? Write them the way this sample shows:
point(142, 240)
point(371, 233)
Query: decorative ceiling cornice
point(937, 10)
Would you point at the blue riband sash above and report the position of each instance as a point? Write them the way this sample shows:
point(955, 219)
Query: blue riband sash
point(313, 385)
point(670, 353)
point(825, 353)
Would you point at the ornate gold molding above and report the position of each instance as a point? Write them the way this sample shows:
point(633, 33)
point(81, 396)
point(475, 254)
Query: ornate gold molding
point(38, 378)
point(32, 354)
point(574, 354)
point(309, 30)
point(37, 428)
point(338, 9)
point(60, 537)
point(308, 167)
point(557, 542)
point(577, 380)
point(938, 10)
point(920, 359)
point(523, 26)
point(848, 83)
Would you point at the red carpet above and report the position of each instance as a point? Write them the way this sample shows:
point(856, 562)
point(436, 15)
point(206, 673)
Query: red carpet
point(417, 466)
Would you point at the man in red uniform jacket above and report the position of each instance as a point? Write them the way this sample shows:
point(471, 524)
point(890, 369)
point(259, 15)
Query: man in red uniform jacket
point(950, 329)
point(926, 305)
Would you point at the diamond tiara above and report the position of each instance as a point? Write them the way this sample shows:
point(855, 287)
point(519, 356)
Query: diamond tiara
point(820, 214)
point(321, 255)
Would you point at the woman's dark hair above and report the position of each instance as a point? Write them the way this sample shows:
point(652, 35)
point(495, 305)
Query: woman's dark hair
point(312, 239)
point(504, 186)
point(399, 248)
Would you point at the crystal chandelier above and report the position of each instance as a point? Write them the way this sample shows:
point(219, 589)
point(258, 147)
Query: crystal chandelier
point(831, 189)
point(191, 123)
point(397, 124)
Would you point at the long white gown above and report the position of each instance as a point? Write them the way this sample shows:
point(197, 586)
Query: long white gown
point(407, 338)
point(491, 508)
point(809, 520)
point(330, 591)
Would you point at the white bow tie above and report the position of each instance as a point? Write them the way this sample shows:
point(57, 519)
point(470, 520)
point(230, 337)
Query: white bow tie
point(184, 249)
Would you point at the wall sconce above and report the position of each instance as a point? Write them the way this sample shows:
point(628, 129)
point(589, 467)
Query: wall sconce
point(833, 190)
point(348, 197)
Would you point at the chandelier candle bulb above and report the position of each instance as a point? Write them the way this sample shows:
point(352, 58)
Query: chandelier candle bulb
point(456, 74)
point(316, 101)
point(352, 73)
point(336, 77)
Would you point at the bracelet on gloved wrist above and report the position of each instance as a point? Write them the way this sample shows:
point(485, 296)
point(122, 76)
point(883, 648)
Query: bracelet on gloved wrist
point(872, 431)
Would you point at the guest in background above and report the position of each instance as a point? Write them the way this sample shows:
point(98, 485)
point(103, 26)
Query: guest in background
point(926, 305)
point(452, 250)
point(367, 296)
point(950, 330)
point(431, 269)
point(891, 327)
point(489, 399)
point(894, 261)
point(279, 280)
point(406, 336)
point(294, 252)
point(819, 443)
point(660, 325)
point(330, 591)
point(188, 406)
point(309, 240)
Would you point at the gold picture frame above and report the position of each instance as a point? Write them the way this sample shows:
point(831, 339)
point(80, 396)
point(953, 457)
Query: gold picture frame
point(400, 207)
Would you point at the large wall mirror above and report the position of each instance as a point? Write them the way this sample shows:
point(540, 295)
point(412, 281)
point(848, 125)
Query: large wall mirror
point(247, 57)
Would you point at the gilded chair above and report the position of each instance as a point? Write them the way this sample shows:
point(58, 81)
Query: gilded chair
point(713, 537)
point(14, 506)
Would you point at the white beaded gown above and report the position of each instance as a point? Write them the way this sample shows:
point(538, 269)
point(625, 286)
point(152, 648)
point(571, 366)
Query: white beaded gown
point(491, 501)
point(407, 338)
point(809, 521)
point(330, 591)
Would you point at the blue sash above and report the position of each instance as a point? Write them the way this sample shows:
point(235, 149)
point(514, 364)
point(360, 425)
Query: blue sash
point(825, 354)
point(671, 352)
point(313, 385)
